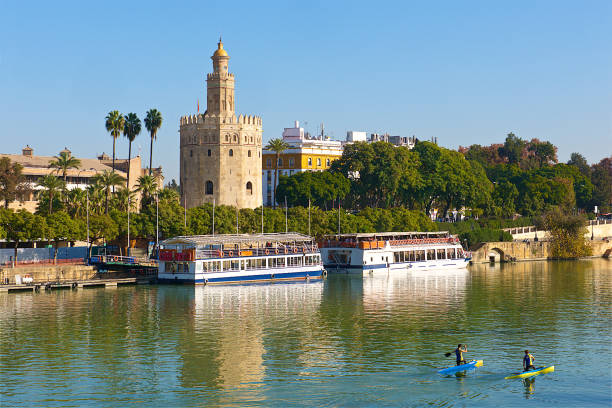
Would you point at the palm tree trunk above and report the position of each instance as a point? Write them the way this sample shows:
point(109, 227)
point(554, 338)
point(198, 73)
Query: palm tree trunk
point(275, 176)
point(114, 138)
point(151, 156)
point(127, 182)
point(106, 201)
point(50, 202)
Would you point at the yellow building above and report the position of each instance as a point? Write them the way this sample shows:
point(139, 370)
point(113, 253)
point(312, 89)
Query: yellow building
point(305, 153)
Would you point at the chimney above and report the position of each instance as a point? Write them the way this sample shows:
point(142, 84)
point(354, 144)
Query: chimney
point(27, 151)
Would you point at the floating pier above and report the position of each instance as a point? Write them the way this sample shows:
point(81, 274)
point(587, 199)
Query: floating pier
point(93, 283)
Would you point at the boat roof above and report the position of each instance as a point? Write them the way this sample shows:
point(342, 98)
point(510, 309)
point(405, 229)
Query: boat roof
point(201, 240)
point(387, 234)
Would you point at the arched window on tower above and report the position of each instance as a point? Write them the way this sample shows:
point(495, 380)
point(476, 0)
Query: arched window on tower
point(209, 187)
point(231, 152)
point(209, 153)
point(249, 188)
point(249, 154)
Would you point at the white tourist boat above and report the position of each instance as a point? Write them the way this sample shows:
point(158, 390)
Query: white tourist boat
point(388, 251)
point(238, 258)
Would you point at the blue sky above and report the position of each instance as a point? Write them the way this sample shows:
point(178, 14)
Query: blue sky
point(465, 72)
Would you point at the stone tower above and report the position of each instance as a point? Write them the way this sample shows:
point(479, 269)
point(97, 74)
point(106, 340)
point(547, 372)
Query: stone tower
point(221, 153)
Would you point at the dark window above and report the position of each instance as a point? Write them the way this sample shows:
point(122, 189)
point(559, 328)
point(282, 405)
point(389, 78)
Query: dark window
point(249, 188)
point(249, 153)
point(209, 153)
point(191, 153)
point(209, 187)
point(231, 152)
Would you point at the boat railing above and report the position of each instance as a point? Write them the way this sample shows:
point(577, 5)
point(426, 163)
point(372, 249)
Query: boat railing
point(192, 254)
point(381, 244)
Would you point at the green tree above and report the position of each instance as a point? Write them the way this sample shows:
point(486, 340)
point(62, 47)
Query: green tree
point(578, 160)
point(131, 129)
point(102, 227)
point(513, 148)
point(13, 183)
point(62, 227)
point(278, 146)
point(23, 226)
point(115, 123)
point(147, 185)
point(107, 180)
point(53, 187)
point(320, 187)
point(153, 122)
point(567, 233)
point(601, 177)
point(76, 202)
point(544, 152)
point(64, 162)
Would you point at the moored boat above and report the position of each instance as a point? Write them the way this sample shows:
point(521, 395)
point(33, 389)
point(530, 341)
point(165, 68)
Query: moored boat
point(239, 258)
point(531, 373)
point(387, 251)
point(462, 367)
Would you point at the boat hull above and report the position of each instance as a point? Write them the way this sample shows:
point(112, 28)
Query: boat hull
point(402, 266)
point(531, 373)
point(242, 276)
point(468, 366)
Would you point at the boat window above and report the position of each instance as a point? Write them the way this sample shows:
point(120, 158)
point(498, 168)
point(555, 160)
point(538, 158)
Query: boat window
point(397, 256)
point(280, 262)
point(441, 253)
point(411, 256)
point(431, 254)
point(420, 255)
point(235, 265)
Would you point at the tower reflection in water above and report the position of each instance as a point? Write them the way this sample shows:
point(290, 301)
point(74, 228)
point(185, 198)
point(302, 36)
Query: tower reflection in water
point(233, 334)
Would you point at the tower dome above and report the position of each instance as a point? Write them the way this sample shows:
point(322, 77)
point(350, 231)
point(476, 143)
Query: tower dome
point(220, 52)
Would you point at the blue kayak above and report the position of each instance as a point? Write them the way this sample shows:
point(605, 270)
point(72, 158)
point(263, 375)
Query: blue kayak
point(467, 366)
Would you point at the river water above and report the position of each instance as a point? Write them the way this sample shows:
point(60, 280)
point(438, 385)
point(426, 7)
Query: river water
point(345, 341)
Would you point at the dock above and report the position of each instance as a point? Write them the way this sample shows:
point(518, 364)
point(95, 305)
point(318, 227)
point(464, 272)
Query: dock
point(86, 284)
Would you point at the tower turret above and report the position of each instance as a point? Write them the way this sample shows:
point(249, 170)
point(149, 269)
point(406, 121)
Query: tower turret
point(220, 85)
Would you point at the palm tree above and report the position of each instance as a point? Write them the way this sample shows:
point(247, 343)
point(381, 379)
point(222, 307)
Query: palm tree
point(114, 124)
point(131, 129)
point(277, 146)
point(76, 202)
point(107, 180)
point(122, 197)
point(147, 185)
point(64, 162)
point(153, 122)
point(96, 197)
point(52, 186)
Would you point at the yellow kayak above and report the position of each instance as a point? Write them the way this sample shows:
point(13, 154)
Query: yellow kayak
point(537, 371)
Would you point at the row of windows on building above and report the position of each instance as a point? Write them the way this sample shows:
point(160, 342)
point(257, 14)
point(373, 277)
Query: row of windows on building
point(292, 162)
point(230, 153)
point(209, 188)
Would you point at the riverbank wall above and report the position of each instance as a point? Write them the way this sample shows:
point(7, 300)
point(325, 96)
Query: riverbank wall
point(528, 251)
point(47, 273)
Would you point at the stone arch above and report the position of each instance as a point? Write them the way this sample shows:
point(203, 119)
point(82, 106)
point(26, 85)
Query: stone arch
point(495, 255)
point(249, 188)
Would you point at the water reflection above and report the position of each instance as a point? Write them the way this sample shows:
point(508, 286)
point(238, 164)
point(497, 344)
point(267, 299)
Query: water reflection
point(350, 340)
point(529, 384)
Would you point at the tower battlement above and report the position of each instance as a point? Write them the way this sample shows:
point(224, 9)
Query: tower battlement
point(211, 119)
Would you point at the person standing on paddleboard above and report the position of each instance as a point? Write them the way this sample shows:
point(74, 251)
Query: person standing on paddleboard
point(459, 353)
point(528, 361)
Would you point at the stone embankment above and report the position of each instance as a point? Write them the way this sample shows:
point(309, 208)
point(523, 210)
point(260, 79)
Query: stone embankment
point(47, 273)
point(528, 251)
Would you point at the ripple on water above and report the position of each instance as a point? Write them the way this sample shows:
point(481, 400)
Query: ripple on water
point(347, 341)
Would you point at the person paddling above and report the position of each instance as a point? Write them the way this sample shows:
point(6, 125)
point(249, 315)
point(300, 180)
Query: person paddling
point(528, 360)
point(461, 348)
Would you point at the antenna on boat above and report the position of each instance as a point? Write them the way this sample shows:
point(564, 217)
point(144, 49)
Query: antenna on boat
point(213, 223)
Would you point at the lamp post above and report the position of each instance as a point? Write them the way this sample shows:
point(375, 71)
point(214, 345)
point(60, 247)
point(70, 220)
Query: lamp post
point(157, 223)
point(128, 231)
